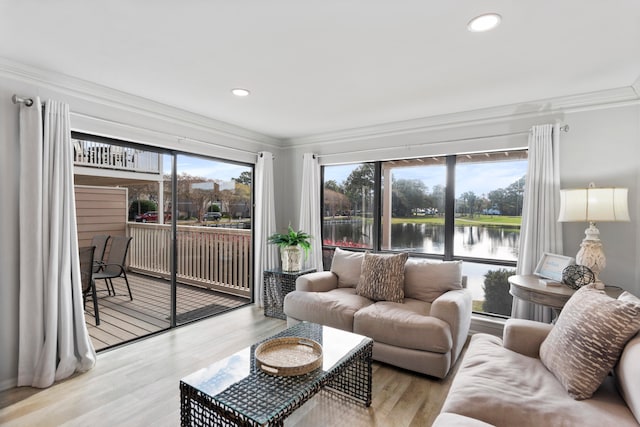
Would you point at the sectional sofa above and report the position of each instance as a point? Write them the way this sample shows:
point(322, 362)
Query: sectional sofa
point(545, 375)
point(419, 323)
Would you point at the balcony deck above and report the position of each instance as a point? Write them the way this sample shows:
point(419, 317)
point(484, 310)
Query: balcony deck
point(122, 319)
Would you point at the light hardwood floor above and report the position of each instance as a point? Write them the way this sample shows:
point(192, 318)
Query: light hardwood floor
point(137, 385)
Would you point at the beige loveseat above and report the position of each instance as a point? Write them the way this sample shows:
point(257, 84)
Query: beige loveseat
point(503, 382)
point(424, 332)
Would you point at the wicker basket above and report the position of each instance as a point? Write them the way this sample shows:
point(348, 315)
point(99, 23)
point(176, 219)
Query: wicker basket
point(288, 356)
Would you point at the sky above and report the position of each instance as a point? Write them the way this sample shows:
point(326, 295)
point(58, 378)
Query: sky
point(206, 168)
point(493, 175)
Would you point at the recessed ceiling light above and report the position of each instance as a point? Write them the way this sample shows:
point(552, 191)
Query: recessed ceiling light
point(485, 22)
point(240, 92)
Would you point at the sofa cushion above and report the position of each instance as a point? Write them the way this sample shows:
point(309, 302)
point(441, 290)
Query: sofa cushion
point(334, 308)
point(347, 266)
point(588, 338)
point(627, 371)
point(382, 277)
point(427, 280)
point(505, 388)
point(406, 325)
point(447, 419)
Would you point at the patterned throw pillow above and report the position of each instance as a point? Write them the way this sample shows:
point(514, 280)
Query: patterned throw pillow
point(382, 277)
point(587, 340)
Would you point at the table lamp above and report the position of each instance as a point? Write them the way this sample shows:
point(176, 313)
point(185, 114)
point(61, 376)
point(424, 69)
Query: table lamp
point(593, 205)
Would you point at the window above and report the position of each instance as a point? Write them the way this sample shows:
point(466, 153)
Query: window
point(348, 206)
point(465, 207)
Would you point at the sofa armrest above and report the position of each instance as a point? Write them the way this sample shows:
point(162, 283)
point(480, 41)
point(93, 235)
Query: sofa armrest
point(320, 281)
point(525, 336)
point(454, 308)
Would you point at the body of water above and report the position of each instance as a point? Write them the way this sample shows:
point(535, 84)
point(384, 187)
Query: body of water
point(478, 241)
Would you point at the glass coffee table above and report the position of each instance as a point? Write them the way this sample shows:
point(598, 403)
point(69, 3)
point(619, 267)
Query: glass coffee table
point(236, 392)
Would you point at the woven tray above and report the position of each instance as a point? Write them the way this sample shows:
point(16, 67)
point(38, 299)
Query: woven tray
point(288, 356)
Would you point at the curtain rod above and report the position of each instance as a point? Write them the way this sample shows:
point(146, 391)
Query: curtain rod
point(563, 128)
point(20, 100)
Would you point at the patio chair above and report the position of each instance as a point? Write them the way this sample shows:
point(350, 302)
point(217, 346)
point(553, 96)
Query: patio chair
point(100, 242)
point(114, 266)
point(88, 284)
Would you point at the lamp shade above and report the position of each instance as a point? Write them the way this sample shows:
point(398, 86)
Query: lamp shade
point(594, 205)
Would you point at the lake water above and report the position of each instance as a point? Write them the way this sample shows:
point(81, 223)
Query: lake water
point(489, 242)
point(493, 242)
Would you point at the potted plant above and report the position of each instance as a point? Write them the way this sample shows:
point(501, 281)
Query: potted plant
point(292, 243)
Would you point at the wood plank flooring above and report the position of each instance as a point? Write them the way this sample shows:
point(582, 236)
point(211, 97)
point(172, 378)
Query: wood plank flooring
point(122, 319)
point(137, 384)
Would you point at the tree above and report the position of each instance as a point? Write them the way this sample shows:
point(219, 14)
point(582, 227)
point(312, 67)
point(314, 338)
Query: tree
point(471, 202)
point(334, 186)
point(240, 201)
point(508, 200)
point(437, 198)
point(335, 203)
point(408, 194)
point(360, 180)
point(244, 178)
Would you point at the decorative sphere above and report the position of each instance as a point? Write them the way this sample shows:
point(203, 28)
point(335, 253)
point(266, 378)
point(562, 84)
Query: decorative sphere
point(576, 276)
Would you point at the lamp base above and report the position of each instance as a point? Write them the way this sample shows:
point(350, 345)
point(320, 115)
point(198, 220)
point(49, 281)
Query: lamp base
point(591, 254)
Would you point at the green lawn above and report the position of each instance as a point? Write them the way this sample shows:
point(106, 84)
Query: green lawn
point(504, 221)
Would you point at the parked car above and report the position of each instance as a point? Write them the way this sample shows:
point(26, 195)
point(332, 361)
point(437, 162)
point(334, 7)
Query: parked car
point(152, 216)
point(212, 216)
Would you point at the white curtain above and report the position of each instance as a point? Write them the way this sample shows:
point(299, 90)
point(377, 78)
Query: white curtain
point(310, 211)
point(53, 338)
point(540, 232)
point(265, 223)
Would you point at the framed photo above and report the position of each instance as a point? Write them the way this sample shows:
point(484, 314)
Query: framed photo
point(551, 266)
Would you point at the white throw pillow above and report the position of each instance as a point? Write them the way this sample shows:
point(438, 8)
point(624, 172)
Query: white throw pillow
point(347, 265)
point(427, 280)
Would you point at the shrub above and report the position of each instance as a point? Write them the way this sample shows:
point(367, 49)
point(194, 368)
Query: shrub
point(497, 298)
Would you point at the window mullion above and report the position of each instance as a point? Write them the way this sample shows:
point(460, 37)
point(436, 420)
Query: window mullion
point(450, 207)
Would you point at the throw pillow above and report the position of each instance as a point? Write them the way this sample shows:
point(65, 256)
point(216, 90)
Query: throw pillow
point(627, 370)
point(587, 340)
point(382, 277)
point(347, 265)
point(427, 280)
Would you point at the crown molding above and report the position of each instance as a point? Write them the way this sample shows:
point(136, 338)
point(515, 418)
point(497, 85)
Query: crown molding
point(538, 108)
point(636, 86)
point(102, 95)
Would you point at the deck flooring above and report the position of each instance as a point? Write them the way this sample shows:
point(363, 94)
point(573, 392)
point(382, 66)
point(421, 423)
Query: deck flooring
point(123, 320)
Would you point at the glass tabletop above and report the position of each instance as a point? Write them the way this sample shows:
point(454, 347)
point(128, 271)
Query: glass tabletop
point(238, 384)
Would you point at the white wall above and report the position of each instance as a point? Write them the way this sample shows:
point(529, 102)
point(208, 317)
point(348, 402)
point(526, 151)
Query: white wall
point(602, 145)
point(99, 111)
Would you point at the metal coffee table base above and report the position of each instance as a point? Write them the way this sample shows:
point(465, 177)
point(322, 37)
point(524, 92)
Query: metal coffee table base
point(351, 377)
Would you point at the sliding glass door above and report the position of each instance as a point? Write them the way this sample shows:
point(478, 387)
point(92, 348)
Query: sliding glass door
point(187, 220)
point(213, 236)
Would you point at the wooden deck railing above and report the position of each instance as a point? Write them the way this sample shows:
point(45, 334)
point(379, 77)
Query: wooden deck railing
point(216, 258)
point(100, 155)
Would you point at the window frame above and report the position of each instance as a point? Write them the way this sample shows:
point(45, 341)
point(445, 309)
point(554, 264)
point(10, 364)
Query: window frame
point(451, 162)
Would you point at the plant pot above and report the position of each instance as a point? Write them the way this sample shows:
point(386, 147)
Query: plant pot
point(291, 257)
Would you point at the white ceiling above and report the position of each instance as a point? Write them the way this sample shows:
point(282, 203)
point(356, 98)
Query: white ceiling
point(328, 65)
